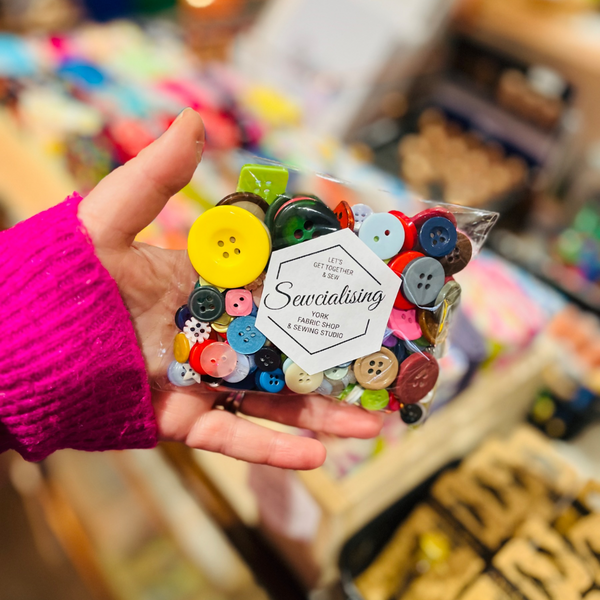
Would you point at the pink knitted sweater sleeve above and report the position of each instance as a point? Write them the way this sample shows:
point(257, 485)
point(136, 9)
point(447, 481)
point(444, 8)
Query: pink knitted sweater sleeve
point(71, 372)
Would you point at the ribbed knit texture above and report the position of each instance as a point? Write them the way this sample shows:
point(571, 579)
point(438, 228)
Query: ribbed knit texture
point(71, 372)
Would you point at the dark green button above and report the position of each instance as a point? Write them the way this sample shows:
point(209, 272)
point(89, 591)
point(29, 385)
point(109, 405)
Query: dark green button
point(206, 303)
point(274, 208)
point(301, 221)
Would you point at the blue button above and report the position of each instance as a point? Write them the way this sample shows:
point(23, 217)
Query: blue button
point(254, 311)
point(272, 381)
point(383, 233)
point(437, 236)
point(400, 351)
point(244, 337)
point(180, 374)
point(182, 315)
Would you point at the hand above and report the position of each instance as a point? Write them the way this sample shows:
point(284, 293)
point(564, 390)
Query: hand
point(154, 283)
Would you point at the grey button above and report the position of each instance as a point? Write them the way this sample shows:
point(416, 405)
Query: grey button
point(422, 280)
point(206, 303)
point(181, 374)
point(450, 292)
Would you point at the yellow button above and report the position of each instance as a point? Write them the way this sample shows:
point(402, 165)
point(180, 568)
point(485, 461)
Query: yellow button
point(181, 348)
point(203, 281)
point(228, 246)
point(221, 324)
point(299, 381)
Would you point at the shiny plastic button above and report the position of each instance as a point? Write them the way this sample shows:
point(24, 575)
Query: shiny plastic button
point(196, 331)
point(218, 360)
point(376, 371)
point(360, 212)
point(398, 264)
point(241, 371)
point(336, 373)
point(270, 381)
point(206, 303)
point(182, 315)
point(238, 303)
point(228, 246)
point(375, 399)
point(267, 181)
point(343, 213)
point(417, 377)
point(182, 375)
point(389, 339)
point(196, 354)
point(410, 231)
point(422, 280)
point(459, 257)
point(221, 324)
point(383, 233)
point(437, 237)
point(300, 381)
point(353, 393)
point(404, 324)
point(244, 337)
point(181, 348)
point(253, 203)
point(449, 294)
point(287, 363)
point(436, 211)
point(412, 414)
point(267, 359)
point(274, 209)
point(434, 324)
point(301, 221)
point(325, 389)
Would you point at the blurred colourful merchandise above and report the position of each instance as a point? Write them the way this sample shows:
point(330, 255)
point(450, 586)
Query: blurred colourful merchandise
point(579, 245)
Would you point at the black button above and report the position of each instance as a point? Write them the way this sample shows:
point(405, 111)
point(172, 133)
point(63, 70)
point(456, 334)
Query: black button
point(267, 359)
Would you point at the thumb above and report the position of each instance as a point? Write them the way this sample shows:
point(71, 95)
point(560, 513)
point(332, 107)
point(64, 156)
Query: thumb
point(128, 199)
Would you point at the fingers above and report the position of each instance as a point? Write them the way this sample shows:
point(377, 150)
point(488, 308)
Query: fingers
point(315, 413)
point(128, 199)
point(188, 418)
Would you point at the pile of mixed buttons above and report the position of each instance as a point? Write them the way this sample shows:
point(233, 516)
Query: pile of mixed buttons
point(230, 245)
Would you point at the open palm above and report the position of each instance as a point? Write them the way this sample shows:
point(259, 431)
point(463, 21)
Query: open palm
point(154, 282)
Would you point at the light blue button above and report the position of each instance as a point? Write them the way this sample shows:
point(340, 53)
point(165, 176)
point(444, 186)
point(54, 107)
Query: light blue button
point(244, 337)
point(383, 233)
point(180, 374)
point(270, 381)
point(360, 212)
point(287, 363)
point(242, 369)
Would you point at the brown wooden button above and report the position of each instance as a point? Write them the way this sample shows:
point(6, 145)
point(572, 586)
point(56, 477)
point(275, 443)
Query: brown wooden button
point(417, 377)
point(431, 324)
point(376, 371)
point(459, 257)
point(253, 203)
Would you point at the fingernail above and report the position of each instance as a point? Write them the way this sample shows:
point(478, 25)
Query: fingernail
point(199, 150)
point(180, 115)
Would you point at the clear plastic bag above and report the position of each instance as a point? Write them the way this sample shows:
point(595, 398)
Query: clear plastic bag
point(309, 285)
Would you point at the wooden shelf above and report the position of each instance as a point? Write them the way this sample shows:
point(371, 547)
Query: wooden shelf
point(494, 403)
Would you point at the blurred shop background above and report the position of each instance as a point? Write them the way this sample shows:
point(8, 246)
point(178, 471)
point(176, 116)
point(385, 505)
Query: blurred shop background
point(484, 103)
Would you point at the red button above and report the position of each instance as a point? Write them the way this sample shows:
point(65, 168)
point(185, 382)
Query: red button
point(417, 377)
point(436, 211)
point(410, 231)
point(397, 264)
point(343, 213)
point(195, 353)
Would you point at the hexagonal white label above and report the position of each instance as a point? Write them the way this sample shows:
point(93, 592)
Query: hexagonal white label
point(327, 301)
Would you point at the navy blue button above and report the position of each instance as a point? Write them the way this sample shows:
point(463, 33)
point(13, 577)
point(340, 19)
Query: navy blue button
point(248, 383)
point(267, 359)
point(244, 337)
point(254, 311)
point(273, 381)
point(182, 315)
point(400, 351)
point(437, 236)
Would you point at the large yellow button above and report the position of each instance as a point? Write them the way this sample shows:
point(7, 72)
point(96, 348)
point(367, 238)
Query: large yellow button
point(228, 246)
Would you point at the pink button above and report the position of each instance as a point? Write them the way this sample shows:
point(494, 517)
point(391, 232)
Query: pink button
point(218, 360)
point(404, 324)
point(238, 303)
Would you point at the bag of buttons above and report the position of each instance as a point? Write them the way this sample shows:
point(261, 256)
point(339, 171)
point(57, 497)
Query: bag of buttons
point(307, 285)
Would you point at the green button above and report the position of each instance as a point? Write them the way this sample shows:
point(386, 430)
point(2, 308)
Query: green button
point(375, 399)
point(267, 181)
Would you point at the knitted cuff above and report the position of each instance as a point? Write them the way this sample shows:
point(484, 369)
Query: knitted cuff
point(71, 372)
